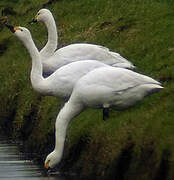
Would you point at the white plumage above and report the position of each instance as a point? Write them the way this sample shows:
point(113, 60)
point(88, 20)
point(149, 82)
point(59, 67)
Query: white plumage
point(117, 88)
point(90, 84)
point(73, 52)
point(61, 82)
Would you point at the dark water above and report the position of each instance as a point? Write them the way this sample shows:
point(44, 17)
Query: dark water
point(14, 165)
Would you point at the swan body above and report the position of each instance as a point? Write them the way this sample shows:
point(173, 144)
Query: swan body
point(117, 88)
point(62, 81)
point(73, 52)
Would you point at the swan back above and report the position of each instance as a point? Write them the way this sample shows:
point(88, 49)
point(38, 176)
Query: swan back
point(117, 87)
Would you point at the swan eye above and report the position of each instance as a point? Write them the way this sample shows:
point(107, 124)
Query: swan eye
point(38, 14)
point(21, 29)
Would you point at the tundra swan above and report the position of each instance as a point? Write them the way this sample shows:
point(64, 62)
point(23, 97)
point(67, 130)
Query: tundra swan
point(73, 52)
point(103, 87)
point(61, 82)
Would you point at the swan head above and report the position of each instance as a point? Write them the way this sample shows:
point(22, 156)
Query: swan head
point(43, 15)
point(52, 160)
point(21, 32)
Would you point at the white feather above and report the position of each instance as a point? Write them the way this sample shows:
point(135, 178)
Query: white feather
point(73, 52)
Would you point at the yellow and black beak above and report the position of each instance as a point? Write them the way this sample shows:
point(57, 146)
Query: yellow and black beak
point(34, 20)
point(12, 28)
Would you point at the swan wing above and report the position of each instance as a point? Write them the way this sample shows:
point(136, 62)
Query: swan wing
point(118, 87)
point(84, 51)
point(116, 79)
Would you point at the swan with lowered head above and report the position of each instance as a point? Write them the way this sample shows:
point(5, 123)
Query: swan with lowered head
point(103, 87)
point(73, 52)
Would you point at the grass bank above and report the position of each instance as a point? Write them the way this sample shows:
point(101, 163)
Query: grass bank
point(134, 144)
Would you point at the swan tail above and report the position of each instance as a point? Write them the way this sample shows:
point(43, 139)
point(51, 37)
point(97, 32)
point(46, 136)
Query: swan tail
point(151, 88)
point(124, 65)
point(122, 62)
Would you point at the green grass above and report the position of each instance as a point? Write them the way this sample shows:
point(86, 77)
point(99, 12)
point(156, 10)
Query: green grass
point(133, 144)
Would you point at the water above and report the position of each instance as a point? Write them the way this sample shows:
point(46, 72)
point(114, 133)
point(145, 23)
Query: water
point(14, 166)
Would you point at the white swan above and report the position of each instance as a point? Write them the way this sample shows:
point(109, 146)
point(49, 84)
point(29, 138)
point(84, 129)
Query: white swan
point(73, 52)
point(103, 87)
point(62, 81)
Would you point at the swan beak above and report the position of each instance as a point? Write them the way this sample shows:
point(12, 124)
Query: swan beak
point(47, 165)
point(11, 28)
point(35, 19)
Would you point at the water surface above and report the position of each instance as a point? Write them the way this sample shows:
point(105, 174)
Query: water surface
point(15, 166)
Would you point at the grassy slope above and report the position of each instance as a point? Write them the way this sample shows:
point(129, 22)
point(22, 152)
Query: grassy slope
point(134, 144)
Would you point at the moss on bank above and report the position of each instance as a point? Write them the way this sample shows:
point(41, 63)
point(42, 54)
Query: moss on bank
point(137, 143)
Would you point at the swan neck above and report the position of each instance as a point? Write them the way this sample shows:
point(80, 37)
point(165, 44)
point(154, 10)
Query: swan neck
point(36, 70)
point(51, 44)
point(66, 114)
point(33, 51)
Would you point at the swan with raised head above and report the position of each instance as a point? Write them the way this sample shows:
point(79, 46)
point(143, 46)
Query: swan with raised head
point(61, 82)
point(73, 52)
point(103, 87)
